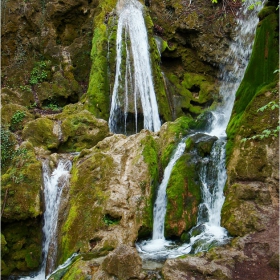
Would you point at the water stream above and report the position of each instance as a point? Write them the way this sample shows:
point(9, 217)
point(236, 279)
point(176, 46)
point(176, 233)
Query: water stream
point(212, 174)
point(54, 184)
point(133, 87)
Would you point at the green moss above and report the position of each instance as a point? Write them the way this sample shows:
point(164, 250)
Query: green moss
point(150, 154)
point(183, 196)
point(259, 73)
point(98, 97)
point(8, 114)
point(21, 185)
point(40, 133)
point(23, 241)
point(170, 136)
point(90, 175)
point(81, 130)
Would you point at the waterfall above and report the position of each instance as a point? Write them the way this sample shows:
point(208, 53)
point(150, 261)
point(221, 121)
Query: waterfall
point(133, 84)
point(54, 184)
point(208, 229)
point(238, 57)
point(161, 202)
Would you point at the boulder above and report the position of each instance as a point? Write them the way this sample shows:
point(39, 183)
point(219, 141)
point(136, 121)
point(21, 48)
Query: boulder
point(124, 263)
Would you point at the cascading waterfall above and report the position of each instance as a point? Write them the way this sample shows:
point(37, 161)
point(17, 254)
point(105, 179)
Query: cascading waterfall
point(136, 87)
point(209, 216)
point(158, 244)
point(53, 186)
point(161, 202)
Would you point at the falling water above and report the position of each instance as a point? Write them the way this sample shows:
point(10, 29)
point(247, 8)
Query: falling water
point(161, 201)
point(136, 87)
point(208, 229)
point(158, 244)
point(53, 186)
point(238, 57)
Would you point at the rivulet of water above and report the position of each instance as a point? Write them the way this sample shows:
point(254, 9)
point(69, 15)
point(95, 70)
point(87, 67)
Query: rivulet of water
point(133, 87)
point(54, 184)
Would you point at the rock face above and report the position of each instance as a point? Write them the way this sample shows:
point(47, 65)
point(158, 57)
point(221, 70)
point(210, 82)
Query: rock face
point(51, 47)
point(191, 48)
point(250, 212)
point(46, 66)
point(116, 181)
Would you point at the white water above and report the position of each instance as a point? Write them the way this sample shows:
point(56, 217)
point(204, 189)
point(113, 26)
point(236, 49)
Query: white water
point(209, 231)
point(238, 57)
point(53, 187)
point(137, 85)
point(161, 202)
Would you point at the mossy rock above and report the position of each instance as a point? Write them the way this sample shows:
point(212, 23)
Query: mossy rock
point(97, 98)
point(40, 133)
point(240, 216)
point(150, 155)
point(81, 131)
point(170, 135)
point(85, 211)
point(24, 241)
point(61, 90)
point(259, 76)
point(183, 197)
point(17, 96)
point(9, 118)
point(21, 184)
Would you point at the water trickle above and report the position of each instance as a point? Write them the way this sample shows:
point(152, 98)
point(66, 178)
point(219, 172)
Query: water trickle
point(133, 90)
point(54, 184)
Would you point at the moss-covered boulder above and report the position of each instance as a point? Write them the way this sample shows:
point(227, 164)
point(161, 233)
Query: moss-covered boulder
point(21, 184)
point(41, 133)
point(15, 116)
point(184, 186)
point(80, 130)
point(21, 96)
point(195, 93)
point(110, 190)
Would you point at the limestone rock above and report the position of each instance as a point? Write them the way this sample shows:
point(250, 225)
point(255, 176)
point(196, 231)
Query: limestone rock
point(194, 268)
point(110, 191)
point(124, 263)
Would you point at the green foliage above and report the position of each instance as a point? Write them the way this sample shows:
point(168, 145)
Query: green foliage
point(266, 132)
point(16, 120)
point(25, 88)
point(38, 73)
point(52, 106)
point(109, 220)
point(253, 5)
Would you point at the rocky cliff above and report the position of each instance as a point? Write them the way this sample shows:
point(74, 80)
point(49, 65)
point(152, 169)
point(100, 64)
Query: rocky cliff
point(55, 99)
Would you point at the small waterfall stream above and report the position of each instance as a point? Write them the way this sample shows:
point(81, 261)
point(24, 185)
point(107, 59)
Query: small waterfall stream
point(208, 229)
point(133, 88)
point(54, 184)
